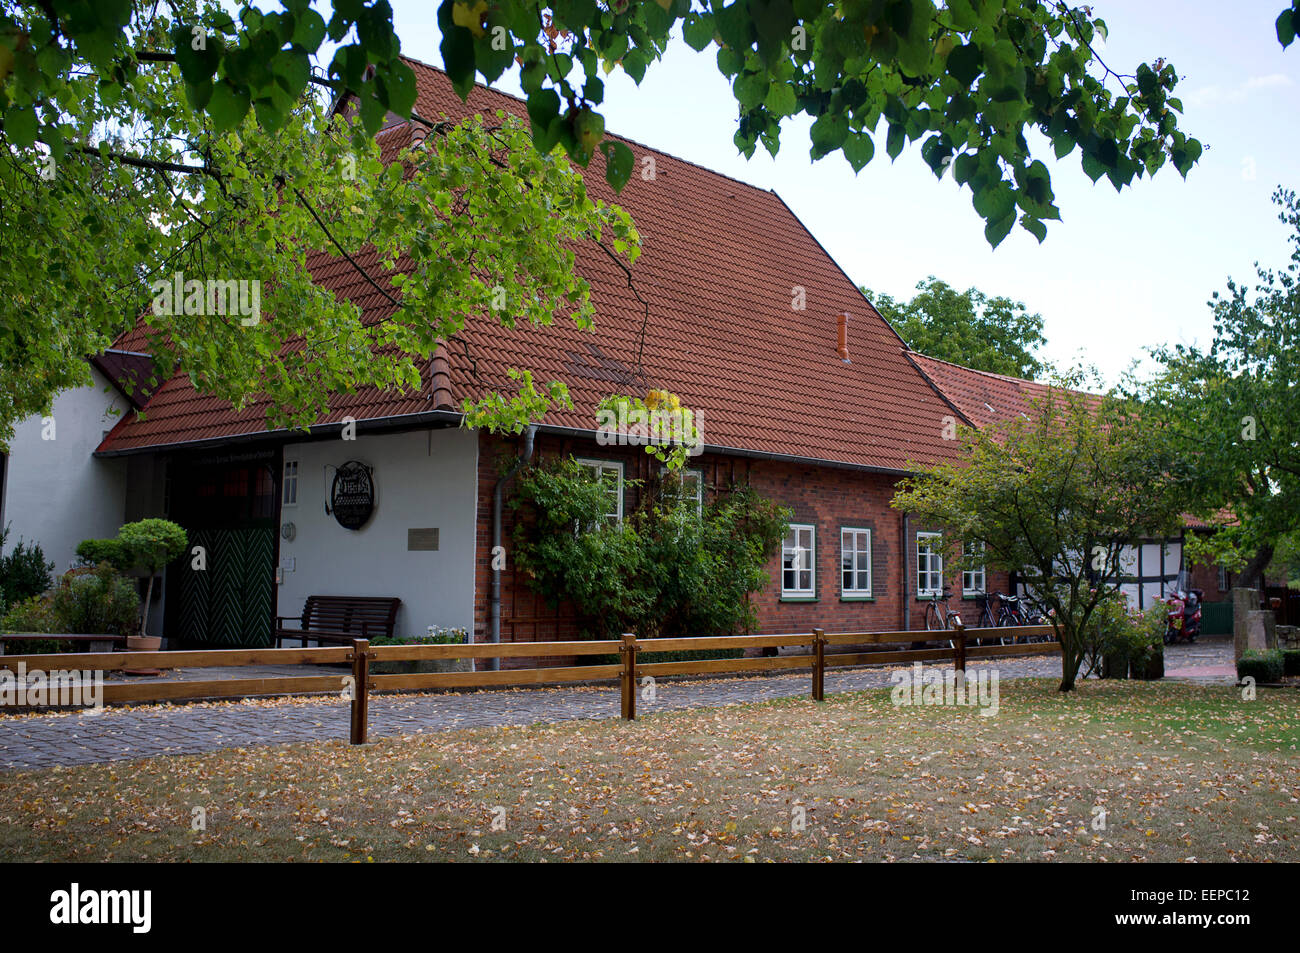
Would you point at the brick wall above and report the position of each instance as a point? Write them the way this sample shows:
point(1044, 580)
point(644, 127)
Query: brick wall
point(826, 497)
point(1206, 578)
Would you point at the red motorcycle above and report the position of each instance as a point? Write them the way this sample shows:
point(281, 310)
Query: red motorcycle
point(1184, 618)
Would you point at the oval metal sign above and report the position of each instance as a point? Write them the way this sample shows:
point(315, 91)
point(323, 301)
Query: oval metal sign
point(352, 495)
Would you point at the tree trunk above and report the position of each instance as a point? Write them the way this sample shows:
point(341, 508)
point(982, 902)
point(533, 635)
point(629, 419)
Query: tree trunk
point(1252, 577)
point(1071, 657)
point(144, 618)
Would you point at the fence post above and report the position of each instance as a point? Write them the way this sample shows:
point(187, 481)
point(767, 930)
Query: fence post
point(627, 677)
point(360, 659)
point(819, 665)
point(959, 660)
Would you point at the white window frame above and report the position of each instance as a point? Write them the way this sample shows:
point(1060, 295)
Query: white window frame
point(290, 480)
point(933, 554)
point(601, 467)
point(968, 575)
point(1223, 579)
point(855, 533)
point(797, 530)
point(697, 496)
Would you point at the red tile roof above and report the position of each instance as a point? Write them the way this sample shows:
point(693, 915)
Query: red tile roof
point(720, 261)
point(979, 396)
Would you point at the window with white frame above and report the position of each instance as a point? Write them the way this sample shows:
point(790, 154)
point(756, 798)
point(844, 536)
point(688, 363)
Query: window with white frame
point(687, 488)
point(289, 496)
point(972, 577)
point(1223, 579)
point(855, 562)
point(929, 565)
point(610, 473)
point(798, 571)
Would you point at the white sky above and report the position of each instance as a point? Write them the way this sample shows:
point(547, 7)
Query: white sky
point(1119, 273)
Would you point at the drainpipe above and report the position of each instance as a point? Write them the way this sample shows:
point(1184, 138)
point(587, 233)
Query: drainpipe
point(494, 632)
point(906, 551)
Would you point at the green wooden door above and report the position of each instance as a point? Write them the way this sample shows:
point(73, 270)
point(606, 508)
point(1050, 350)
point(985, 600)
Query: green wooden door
point(230, 602)
point(228, 503)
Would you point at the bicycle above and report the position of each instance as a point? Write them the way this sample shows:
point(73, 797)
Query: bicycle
point(986, 619)
point(936, 619)
point(1010, 615)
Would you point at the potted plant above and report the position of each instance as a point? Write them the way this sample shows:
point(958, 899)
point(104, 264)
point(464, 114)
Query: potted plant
point(150, 545)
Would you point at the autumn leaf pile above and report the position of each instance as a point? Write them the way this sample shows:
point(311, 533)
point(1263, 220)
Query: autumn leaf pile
point(1113, 772)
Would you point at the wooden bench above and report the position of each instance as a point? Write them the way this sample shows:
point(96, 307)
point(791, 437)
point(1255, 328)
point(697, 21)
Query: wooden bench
point(97, 643)
point(340, 619)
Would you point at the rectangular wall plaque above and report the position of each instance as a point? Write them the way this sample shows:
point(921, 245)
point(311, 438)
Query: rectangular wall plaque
point(422, 540)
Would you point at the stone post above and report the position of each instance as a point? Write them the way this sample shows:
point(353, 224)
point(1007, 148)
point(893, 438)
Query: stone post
point(1244, 601)
point(1261, 630)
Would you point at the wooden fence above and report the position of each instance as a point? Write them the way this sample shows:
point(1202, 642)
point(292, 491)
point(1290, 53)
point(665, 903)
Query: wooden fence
point(357, 684)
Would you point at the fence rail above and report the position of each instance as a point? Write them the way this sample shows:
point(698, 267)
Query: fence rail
point(360, 682)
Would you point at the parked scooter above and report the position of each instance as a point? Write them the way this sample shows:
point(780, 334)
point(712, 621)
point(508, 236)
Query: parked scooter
point(1184, 618)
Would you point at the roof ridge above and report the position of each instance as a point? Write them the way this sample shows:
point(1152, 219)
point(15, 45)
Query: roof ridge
point(976, 370)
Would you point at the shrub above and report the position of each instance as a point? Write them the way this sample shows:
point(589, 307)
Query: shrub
point(1106, 645)
point(96, 599)
point(663, 571)
point(34, 614)
point(148, 545)
point(1150, 666)
point(1123, 642)
point(92, 552)
point(1264, 667)
point(1291, 661)
point(24, 572)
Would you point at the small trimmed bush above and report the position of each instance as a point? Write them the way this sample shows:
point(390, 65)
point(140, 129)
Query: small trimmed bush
point(1262, 666)
point(92, 552)
point(1291, 661)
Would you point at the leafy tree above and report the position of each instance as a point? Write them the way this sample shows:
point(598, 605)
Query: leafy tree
point(151, 544)
point(967, 327)
point(120, 187)
point(1234, 409)
point(1055, 496)
point(142, 139)
point(967, 79)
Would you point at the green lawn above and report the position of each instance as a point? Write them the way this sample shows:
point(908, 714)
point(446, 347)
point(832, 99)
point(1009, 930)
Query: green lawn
point(1182, 772)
